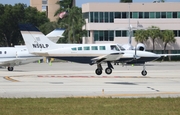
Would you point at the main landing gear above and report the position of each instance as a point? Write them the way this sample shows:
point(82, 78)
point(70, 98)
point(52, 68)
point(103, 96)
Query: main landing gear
point(108, 70)
point(10, 68)
point(144, 72)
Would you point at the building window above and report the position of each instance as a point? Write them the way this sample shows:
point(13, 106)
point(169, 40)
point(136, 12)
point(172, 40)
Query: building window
point(124, 15)
point(117, 14)
point(169, 15)
point(96, 35)
point(104, 35)
point(158, 15)
point(118, 33)
point(146, 14)
point(135, 15)
point(124, 33)
point(174, 14)
point(111, 17)
point(175, 33)
point(141, 15)
point(44, 2)
point(86, 15)
point(163, 14)
point(96, 17)
point(91, 17)
point(106, 17)
point(101, 17)
point(178, 14)
point(101, 35)
point(178, 33)
point(111, 35)
point(152, 14)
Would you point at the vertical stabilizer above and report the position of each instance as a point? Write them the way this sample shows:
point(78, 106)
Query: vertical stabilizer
point(35, 40)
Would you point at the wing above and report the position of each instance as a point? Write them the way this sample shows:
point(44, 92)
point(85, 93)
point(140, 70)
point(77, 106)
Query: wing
point(165, 55)
point(109, 57)
point(18, 61)
point(9, 62)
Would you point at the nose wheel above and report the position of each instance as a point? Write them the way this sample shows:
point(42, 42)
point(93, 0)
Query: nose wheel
point(144, 72)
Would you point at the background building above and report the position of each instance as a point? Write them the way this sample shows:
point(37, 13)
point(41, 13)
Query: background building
point(49, 6)
point(108, 22)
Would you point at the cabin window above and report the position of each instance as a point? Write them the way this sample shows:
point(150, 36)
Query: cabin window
point(94, 48)
point(0, 52)
point(102, 48)
point(74, 49)
point(5, 52)
point(86, 48)
point(79, 48)
point(114, 48)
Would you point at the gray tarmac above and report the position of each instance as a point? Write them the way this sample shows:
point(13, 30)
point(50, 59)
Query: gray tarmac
point(79, 80)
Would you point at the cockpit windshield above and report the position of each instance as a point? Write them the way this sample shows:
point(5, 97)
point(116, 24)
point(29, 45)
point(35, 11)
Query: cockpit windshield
point(114, 48)
point(120, 47)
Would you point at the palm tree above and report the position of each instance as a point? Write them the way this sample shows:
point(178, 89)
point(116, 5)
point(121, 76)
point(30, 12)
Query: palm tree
point(141, 36)
point(154, 33)
point(73, 22)
point(167, 36)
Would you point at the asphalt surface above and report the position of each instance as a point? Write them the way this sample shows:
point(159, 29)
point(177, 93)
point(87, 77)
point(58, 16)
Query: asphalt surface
point(79, 80)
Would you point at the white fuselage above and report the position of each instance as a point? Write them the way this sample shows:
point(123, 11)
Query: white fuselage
point(83, 53)
point(18, 55)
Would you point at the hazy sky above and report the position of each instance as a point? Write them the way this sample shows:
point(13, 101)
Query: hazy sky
point(78, 2)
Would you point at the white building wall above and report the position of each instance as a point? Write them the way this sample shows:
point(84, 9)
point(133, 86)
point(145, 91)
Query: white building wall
point(122, 24)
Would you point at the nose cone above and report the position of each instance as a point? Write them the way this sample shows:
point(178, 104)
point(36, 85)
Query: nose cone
point(147, 56)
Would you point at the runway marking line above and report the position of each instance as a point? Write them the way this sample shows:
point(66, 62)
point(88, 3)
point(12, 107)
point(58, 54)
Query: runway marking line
point(10, 79)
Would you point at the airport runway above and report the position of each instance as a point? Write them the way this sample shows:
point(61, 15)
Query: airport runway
point(79, 80)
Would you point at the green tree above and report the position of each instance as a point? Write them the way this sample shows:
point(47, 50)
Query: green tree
point(48, 27)
point(125, 1)
point(73, 22)
point(11, 16)
point(167, 36)
point(141, 35)
point(154, 33)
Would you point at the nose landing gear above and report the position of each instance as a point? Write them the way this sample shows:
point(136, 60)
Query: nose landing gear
point(144, 72)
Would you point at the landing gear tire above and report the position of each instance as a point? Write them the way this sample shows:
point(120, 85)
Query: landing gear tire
point(10, 68)
point(144, 72)
point(98, 71)
point(108, 70)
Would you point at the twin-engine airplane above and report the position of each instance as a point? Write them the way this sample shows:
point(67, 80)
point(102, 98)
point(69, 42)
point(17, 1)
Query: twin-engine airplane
point(19, 55)
point(14, 56)
point(38, 44)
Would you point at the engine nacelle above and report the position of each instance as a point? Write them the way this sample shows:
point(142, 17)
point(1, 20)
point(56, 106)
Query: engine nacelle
point(140, 47)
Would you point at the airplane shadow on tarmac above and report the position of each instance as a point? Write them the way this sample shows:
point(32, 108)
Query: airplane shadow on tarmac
point(121, 83)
